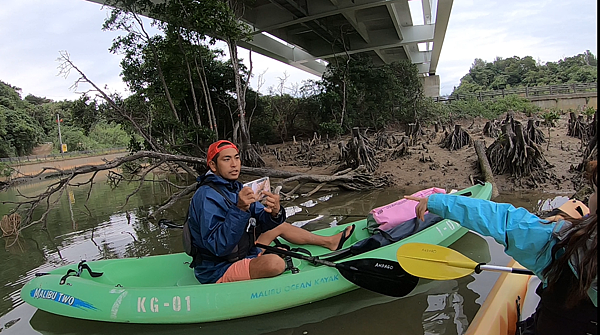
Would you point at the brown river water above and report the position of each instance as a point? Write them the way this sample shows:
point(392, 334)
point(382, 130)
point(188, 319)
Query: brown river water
point(107, 229)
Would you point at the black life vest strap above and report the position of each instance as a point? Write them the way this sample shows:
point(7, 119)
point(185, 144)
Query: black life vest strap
point(289, 264)
point(80, 267)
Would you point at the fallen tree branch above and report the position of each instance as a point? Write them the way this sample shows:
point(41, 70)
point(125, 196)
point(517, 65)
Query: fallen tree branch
point(358, 179)
point(484, 165)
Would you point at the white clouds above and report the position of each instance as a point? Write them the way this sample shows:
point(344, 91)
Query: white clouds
point(32, 32)
point(548, 31)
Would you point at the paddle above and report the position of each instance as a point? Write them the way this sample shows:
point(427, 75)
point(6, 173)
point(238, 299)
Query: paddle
point(436, 262)
point(378, 275)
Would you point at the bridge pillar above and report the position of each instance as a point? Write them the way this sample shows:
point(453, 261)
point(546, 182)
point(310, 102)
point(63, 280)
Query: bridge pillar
point(431, 85)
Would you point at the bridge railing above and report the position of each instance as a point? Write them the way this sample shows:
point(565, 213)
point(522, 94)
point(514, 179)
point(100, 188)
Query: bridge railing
point(66, 155)
point(527, 92)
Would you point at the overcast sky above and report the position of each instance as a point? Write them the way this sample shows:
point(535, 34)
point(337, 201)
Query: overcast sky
point(32, 32)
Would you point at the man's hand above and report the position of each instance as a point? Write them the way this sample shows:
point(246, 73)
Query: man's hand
point(245, 198)
point(271, 202)
point(421, 207)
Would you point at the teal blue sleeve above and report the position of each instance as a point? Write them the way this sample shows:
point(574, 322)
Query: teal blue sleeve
point(525, 237)
point(593, 292)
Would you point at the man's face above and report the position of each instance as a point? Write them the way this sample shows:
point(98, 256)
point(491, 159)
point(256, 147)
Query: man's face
point(228, 164)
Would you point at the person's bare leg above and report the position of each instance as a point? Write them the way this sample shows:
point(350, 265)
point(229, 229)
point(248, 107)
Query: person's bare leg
point(300, 236)
point(266, 266)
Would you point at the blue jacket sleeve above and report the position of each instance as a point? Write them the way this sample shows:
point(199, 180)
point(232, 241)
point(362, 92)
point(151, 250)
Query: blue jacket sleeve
point(267, 222)
point(526, 238)
point(221, 226)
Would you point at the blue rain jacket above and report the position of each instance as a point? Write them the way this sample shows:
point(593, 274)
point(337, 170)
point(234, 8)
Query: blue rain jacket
point(525, 237)
point(217, 226)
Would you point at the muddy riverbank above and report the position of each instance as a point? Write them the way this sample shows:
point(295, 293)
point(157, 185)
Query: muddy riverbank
point(430, 165)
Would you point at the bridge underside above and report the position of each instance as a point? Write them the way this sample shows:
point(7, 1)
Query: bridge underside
point(310, 33)
point(315, 30)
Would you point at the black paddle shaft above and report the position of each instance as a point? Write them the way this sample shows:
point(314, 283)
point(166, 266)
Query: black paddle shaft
point(378, 275)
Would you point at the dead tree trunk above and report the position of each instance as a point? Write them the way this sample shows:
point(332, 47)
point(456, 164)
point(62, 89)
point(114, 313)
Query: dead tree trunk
point(248, 155)
point(385, 140)
point(359, 151)
point(577, 127)
point(414, 132)
point(401, 149)
point(518, 156)
point(534, 134)
point(484, 165)
point(491, 129)
point(457, 139)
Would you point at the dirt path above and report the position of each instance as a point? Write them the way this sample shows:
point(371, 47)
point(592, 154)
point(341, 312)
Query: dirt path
point(32, 169)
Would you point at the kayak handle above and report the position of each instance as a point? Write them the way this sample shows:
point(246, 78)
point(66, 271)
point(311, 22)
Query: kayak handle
point(482, 266)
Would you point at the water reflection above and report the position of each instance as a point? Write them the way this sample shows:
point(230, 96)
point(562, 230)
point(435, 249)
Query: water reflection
point(445, 310)
point(103, 229)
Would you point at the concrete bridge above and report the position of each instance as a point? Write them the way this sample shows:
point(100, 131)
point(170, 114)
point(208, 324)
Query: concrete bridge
point(307, 34)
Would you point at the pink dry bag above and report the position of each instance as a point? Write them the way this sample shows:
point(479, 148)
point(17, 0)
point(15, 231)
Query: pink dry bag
point(391, 215)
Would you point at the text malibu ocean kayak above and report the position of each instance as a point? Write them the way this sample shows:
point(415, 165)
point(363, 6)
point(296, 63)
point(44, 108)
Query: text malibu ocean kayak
point(163, 289)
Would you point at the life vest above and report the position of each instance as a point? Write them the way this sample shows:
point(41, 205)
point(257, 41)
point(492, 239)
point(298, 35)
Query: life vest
point(240, 251)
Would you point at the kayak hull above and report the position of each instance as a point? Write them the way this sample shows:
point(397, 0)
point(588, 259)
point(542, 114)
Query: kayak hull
point(498, 314)
point(163, 289)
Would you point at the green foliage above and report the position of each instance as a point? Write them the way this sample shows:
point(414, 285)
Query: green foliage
point(32, 99)
point(21, 132)
point(489, 109)
point(330, 128)
point(516, 72)
point(358, 93)
point(84, 113)
point(108, 135)
point(75, 139)
point(550, 117)
point(589, 111)
point(5, 170)
point(512, 103)
point(171, 73)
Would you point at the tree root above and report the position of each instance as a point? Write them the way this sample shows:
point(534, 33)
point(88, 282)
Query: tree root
point(457, 139)
point(577, 127)
point(10, 224)
point(515, 154)
point(533, 133)
point(250, 157)
point(491, 129)
point(358, 152)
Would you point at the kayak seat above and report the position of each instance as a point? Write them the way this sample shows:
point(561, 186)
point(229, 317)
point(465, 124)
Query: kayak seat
point(188, 280)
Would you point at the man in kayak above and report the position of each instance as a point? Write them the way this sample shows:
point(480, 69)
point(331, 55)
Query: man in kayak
point(226, 220)
point(563, 254)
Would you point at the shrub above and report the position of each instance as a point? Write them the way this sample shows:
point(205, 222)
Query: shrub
point(330, 128)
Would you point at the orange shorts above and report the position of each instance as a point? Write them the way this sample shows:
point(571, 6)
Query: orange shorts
point(238, 271)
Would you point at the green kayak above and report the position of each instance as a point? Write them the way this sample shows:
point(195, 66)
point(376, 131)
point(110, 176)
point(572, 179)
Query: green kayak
point(163, 289)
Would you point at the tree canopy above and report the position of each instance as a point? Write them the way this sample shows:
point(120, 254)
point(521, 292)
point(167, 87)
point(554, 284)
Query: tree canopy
point(516, 72)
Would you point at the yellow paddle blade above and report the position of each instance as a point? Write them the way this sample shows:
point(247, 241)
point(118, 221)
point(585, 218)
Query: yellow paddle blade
point(432, 261)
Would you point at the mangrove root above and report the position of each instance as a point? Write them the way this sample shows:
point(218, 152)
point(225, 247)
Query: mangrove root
point(577, 127)
point(515, 154)
point(10, 224)
point(491, 129)
point(358, 151)
point(533, 133)
point(457, 139)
